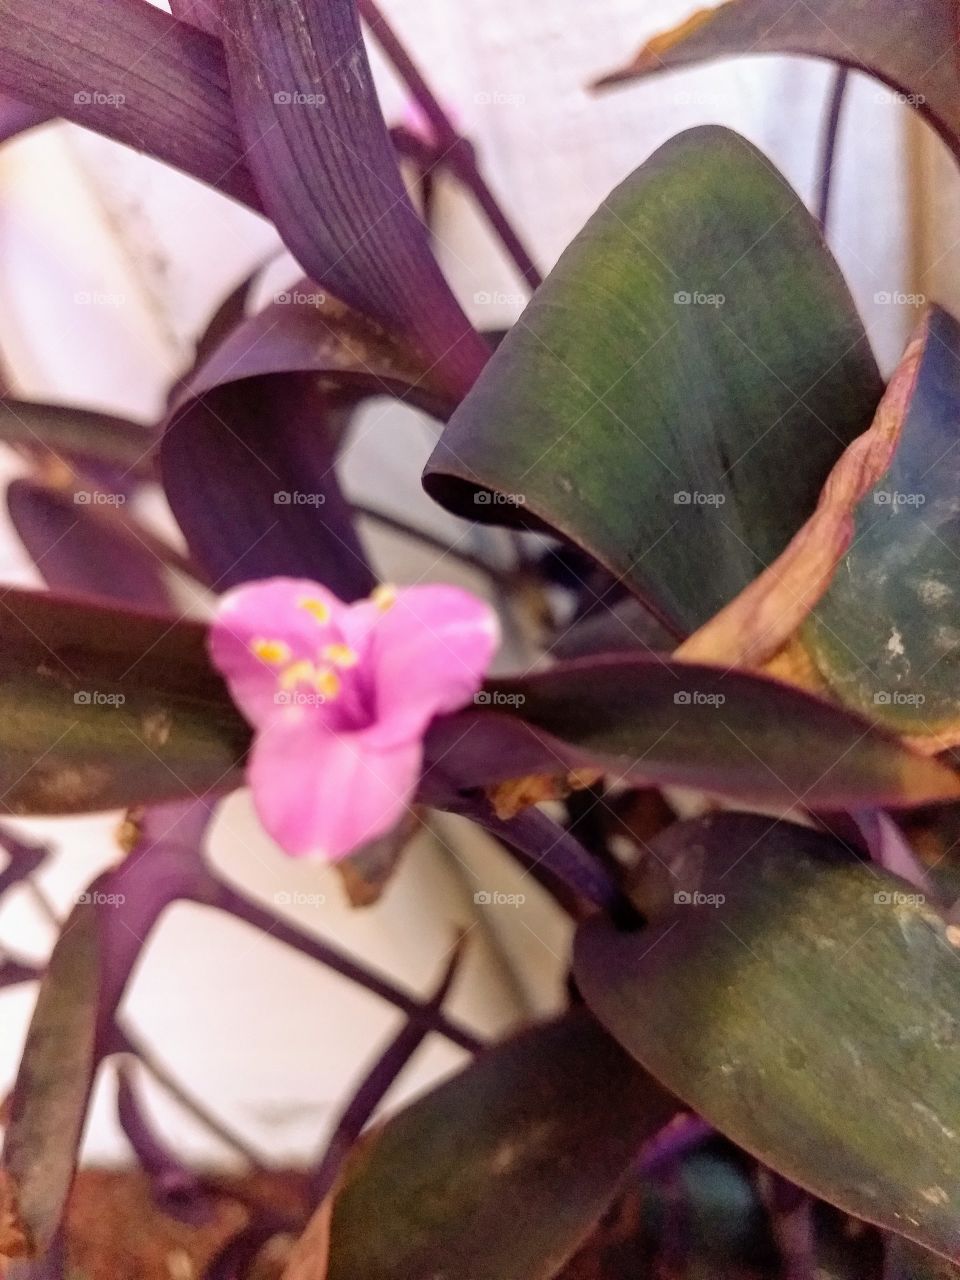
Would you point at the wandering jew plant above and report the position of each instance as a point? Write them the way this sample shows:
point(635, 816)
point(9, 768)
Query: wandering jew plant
point(742, 552)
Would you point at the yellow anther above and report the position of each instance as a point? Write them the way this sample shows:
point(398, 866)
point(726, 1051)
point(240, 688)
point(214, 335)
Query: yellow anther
point(316, 608)
point(327, 683)
point(273, 652)
point(384, 597)
point(341, 655)
point(298, 672)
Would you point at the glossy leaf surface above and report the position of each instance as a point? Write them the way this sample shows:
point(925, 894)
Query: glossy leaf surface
point(675, 394)
point(806, 1004)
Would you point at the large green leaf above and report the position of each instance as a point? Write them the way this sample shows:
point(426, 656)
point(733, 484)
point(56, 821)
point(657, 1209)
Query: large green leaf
point(662, 721)
point(677, 391)
point(886, 636)
point(49, 1101)
point(102, 708)
point(805, 1004)
point(500, 1173)
point(910, 44)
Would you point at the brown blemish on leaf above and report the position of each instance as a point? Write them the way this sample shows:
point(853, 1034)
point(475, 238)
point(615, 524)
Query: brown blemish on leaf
point(512, 797)
point(72, 788)
point(14, 1240)
point(763, 619)
point(157, 726)
point(650, 57)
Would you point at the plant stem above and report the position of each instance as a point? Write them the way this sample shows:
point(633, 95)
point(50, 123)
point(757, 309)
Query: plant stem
point(228, 899)
point(457, 151)
point(828, 145)
point(377, 1083)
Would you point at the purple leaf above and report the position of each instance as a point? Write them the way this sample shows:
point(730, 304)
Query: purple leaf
point(128, 71)
point(322, 159)
point(254, 419)
point(77, 550)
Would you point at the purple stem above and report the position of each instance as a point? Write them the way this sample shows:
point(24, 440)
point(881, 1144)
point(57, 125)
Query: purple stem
point(791, 1218)
point(378, 1081)
point(888, 847)
point(125, 1042)
point(541, 844)
point(177, 1190)
point(457, 152)
point(25, 858)
point(683, 1134)
point(228, 899)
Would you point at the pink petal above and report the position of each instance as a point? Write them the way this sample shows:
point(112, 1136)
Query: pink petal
point(320, 794)
point(430, 653)
point(271, 610)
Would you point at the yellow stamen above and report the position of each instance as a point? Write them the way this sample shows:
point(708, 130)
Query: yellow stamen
point(327, 683)
point(273, 652)
point(384, 597)
point(297, 673)
point(317, 608)
point(341, 655)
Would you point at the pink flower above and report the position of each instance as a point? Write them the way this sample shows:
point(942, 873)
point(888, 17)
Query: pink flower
point(341, 696)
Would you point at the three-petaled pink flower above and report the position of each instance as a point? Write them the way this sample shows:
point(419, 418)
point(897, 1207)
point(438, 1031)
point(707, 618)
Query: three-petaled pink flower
point(341, 696)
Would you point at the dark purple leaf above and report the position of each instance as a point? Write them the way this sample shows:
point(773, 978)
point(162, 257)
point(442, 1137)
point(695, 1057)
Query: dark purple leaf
point(127, 70)
point(321, 155)
point(76, 549)
point(263, 420)
point(658, 720)
point(78, 437)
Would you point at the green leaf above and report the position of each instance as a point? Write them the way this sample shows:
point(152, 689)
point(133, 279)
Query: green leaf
point(78, 436)
point(805, 1004)
point(886, 635)
point(54, 1082)
point(102, 708)
point(499, 1173)
point(910, 44)
point(661, 721)
point(682, 443)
